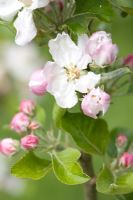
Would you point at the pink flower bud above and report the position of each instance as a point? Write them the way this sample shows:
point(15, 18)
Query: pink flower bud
point(95, 102)
point(121, 140)
point(27, 107)
point(34, 125)
point(8, 146)
point(29, 142)
point(101, 49)
point(126, 160)
point(20, 122)
point(128, 61)
point(38, 83)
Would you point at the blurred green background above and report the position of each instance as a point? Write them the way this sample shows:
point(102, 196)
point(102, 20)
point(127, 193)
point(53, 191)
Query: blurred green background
point(119, 114)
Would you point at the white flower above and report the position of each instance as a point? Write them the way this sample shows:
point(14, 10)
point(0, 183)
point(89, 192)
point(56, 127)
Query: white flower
point(69, 71)
point(24, 23)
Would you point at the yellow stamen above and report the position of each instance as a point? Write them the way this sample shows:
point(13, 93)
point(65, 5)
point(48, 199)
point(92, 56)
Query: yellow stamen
point(73, 73)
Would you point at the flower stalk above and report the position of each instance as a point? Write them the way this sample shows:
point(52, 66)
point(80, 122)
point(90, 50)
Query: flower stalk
point(90, 186)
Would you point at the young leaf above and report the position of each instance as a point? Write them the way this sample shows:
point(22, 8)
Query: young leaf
point(90, 134)
point(30, 166)
point(104, 180)
point(79, 22)
point(108, 184)
point(103, 8)
point(67, 169)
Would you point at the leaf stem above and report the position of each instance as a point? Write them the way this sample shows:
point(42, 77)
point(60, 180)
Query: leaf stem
point(90, 186)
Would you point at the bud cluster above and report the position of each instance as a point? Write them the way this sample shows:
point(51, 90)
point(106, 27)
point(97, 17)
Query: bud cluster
point(22, 123)
point(125, 157)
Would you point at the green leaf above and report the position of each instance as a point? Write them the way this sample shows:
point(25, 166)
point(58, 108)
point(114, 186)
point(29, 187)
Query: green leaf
point(67, 169)
point(102, 8)
point(40, 114)
point(31, 167)
point(90, 134)
point(79, 23)
point(108, 184)
point(58, 112)
point(104, 180)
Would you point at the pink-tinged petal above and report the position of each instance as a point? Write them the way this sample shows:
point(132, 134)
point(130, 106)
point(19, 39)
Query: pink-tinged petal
point(27, 106)
point(8, 146)
point(29, 142)
point(126, 160)
point(20, 122)
point(94, 102)
point(121, 140)
point(38, 83)
point(106, 54)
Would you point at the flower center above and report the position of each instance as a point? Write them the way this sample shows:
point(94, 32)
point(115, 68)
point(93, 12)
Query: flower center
point(27, 2)
point(73, 73)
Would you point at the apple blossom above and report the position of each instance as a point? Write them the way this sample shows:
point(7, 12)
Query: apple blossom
point(69, 71)
point(27, 106)
point(24, 23)
point(94, 102)
point(126, 160)
point(128, 61)
point(99, 46)
point(20, 122)
point(8, 146)
point(121, 140)
point(29, 142)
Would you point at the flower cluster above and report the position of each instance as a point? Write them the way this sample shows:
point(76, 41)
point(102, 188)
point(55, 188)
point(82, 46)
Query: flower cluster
point(70, 75)
point(22, 123)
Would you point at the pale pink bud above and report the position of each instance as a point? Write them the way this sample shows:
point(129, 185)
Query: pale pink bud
point(34, 125)
point(20, 122)
point(128, 61)
point(27, 106)
point(101, 49)
point(29, 142)
point(121, 140)
point(95, 102)
point(8, 146)
point(38, 83)
point(126, 160)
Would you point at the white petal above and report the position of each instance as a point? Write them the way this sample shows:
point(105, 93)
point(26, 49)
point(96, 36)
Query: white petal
point(39, 4)
point(82, 41)
point(25, 27)
point(84, 61)
point(64, 51)
point(9, 8)
point(67, 97)
point(87, 82)
point(59, 87)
